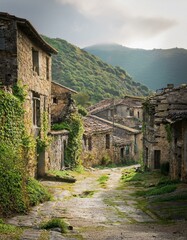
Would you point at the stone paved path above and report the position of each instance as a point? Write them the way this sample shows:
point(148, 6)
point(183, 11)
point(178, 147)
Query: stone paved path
point(111, 213)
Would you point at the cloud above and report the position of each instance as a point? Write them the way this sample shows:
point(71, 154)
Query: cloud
point(118, 17)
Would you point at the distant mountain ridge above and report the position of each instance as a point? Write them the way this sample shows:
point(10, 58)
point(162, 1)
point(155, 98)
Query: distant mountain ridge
point(154, 68)
point(83, 72)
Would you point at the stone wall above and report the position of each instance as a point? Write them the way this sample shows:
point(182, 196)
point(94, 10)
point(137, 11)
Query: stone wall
point(98, 152)
point(62, 103)
point(159, 138)
point(8, 53)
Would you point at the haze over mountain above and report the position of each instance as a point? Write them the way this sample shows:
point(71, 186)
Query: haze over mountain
point(154, 68)
point(83, 72)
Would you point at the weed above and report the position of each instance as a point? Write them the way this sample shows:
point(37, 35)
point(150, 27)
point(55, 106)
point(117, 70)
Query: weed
point(55, 223)
point(102, 180)
point(9, 231)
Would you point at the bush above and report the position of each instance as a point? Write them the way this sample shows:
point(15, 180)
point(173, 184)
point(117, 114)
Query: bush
point(36, 192)
point(13, 198)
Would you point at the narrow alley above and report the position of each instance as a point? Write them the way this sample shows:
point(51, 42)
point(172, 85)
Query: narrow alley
point(96, 211)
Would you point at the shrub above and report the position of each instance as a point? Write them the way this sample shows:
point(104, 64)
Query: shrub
point(12, 191)
point(36, 192)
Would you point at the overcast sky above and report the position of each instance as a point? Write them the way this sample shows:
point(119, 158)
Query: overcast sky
point(133, 23)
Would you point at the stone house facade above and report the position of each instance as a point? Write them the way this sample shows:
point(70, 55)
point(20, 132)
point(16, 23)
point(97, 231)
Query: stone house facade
point(97, 142)
point(62, 102)
point(164, 135)
point(127, 142)
point(26, 58)
point(126, 111)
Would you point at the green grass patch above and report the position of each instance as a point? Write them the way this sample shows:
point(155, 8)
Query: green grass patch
point(55, 223)
point(161, 190)
point(59, 173)
point(102, 180)
point(8, 231)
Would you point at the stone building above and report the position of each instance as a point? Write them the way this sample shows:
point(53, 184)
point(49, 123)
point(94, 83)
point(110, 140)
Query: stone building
point(26, 58)
point(62, 106)
point(127, 142)
point(62, 102)
point(97, 142)
point(165, 131)
point(126, 111)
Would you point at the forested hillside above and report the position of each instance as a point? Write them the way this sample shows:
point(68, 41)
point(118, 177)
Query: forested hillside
point(154, 68)
point(86, 73)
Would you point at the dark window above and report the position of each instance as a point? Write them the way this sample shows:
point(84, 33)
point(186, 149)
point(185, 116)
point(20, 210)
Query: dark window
point(122, 153)
point(107, 141)
point(55, 100)
point(47, 68)
point(157, 154)
point(35, 61)
point(138, 115)
point(90, 143)
point(84, 141)
point(36, 109)
point(146, 155)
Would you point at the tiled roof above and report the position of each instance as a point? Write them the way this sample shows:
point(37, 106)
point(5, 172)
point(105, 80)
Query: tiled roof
point(93, 125)
point(131, 130)
point(110, 103)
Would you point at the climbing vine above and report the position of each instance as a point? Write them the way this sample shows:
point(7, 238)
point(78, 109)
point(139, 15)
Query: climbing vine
point(43, 140)
point(74, 124)
point(169, 132)
point(16, 148)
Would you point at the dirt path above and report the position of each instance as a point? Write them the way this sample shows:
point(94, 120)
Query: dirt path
point(111, 213)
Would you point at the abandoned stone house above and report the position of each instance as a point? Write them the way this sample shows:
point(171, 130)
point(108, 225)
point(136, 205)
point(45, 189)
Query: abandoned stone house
point(165, 131)
point(125, 142)
point(62, 102)
point(26, 58)
point(126, 111)
point(61, 107)
point(97, 142)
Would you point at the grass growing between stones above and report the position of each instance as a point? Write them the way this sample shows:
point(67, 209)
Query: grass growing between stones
point(103, 180)
point(157, 194)
point(55, 223)
point(8, 231)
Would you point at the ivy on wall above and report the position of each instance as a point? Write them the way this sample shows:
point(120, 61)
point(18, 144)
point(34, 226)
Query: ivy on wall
point(74, 124)
point(16, 149)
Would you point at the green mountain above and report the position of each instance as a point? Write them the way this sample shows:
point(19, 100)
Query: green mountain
point(83, 72)
point(154, 68)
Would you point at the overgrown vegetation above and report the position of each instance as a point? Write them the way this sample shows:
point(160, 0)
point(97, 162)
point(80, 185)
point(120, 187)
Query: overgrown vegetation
point(89, 75)
point(16, 148)
point(8, 231)
point(55, 223)
point(157, 193)
point(74, 124)
point(103, 180)
point(37, 193)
